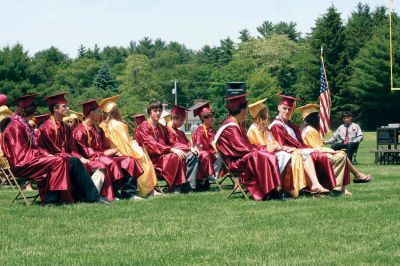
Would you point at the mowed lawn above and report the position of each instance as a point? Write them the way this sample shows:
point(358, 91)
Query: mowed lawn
point(206, 228)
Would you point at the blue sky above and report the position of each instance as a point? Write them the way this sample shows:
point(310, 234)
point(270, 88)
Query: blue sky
point(65, 24)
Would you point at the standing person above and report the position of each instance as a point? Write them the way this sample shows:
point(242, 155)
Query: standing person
point(168, 161)
point(347, 136)
point(199, 165)
point(51, 173)
point(288, 134)
point(89, 141)
point(311, 137)
point(259, 168)
point(117, 134)
point(203, 138)
point(54, 136)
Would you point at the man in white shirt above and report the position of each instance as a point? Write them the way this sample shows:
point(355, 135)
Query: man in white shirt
point(347, 136)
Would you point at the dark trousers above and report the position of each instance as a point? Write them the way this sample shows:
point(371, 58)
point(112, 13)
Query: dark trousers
point(128, 187)
point(351, 147)
point(80, 180)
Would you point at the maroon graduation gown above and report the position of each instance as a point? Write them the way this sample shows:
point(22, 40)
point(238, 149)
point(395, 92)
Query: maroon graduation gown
point(321, 161)
point(55, 138)
point(90, 143)
point(259, 168)
point(157, 144)
point(179, 140)
point(48, 172)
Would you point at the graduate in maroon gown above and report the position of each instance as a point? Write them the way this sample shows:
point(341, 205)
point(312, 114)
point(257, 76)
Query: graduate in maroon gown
point(199, 165)
point(89, 141)
point(52, 174)
point(288, 134)
point(259, 169)
point(203, 137)
point(54, 136)
point(168, 161)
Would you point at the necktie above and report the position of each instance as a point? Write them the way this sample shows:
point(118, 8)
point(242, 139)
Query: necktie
point(346, 138)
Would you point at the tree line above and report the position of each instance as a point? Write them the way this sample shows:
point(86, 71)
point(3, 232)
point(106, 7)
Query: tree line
point(276, 59)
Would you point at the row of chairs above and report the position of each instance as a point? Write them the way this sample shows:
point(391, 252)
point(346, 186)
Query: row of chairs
point(7, 178)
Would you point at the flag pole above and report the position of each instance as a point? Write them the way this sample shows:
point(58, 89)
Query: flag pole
point(326, 79)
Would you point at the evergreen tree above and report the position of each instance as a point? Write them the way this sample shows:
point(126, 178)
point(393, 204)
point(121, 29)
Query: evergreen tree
point(81, 51)
point(244, 35)
point(104, 79)
point(329, 33)
point(266, 29)
point(288, 29)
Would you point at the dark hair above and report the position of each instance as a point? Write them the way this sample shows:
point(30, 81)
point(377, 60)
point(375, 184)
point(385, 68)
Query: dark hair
point(346, 113)
point(4, 123)
point(237, 110)
point(114, 114)
point(312, 120)
point(175, 116)
point(206, 116)
point(155, 104)
point(51, 108)
point(25, 112)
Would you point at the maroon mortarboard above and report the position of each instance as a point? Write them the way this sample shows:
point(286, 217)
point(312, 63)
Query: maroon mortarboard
point(56, 99)
point(40, 119)
point(3, 99)
point(205, 108)
point(234, 102)
point(26, 100)
point(288, 101)
point(179, 110)
point(140, 118)
point(89, 106)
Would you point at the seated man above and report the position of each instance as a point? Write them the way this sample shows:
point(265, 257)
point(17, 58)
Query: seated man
point(203, 137)
point(54, 137)
point(52, 174)
point(194, 158)
point(259, 169)
point(168, 161)
point(288, 134)
point(89, 141)
point(347, 136)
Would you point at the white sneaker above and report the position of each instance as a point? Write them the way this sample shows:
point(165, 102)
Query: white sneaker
point(134, 197)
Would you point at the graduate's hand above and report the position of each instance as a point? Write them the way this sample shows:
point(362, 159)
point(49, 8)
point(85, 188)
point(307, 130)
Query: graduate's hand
point(195, 150)
point(84, 160)
point(110, 152)
point(181, 154)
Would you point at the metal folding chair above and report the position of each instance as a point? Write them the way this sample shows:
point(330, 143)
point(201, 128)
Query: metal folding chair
point(234, 177)
point(19, 183)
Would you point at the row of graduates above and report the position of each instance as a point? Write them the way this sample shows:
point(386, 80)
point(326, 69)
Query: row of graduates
point(270, 159)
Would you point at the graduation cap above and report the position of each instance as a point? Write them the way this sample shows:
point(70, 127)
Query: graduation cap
point(179, 110)
point(26, 100)
point(76, 115)
point(234, 102)
point(140, 118)
point(56, 99)
point(256, 107)
point(89, 106)
point(308, 109)
point(40, 119)
point(288, 101)
point(108, 104)
point(3, 99)
point(202, 109)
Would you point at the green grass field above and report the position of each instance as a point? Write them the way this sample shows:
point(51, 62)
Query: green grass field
point(206, 228)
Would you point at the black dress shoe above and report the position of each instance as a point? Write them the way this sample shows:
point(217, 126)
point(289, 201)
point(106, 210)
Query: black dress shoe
point(276, 195)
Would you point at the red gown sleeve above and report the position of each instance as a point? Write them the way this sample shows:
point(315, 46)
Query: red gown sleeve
point(80, 144)
point(231, 142)
point(145, 137)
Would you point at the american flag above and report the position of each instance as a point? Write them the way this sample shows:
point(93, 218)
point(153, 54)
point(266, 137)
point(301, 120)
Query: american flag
point(325, 103)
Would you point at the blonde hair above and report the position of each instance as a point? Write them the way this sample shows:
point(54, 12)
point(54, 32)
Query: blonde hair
point(262, 120)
